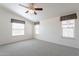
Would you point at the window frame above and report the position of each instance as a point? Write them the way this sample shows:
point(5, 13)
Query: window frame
point(18, 23)
point(70, 28)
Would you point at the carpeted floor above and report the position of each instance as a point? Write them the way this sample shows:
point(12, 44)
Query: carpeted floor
point(37, 48)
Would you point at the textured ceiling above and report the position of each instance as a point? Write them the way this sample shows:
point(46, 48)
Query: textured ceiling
point(49, 10)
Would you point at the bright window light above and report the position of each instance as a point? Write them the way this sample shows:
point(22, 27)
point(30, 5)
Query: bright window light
point(68, 27)
point(17, 29)
point(36, 29)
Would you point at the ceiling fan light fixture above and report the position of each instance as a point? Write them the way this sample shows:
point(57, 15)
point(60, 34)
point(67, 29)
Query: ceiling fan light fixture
point(32, 8)
point(31, 11)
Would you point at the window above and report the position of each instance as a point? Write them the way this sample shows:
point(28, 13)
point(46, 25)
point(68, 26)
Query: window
point(68, 27)
point(36, 29)
point(17, 27)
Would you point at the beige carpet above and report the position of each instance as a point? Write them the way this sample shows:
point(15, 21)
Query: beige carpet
point(37, 48)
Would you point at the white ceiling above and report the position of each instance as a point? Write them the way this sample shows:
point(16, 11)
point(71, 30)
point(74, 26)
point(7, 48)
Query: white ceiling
point(49, 10)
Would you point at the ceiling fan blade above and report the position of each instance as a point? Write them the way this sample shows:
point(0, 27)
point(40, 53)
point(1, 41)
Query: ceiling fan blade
point(23, 6)
point(40, 9)
point(35, 13)
point(26, 11)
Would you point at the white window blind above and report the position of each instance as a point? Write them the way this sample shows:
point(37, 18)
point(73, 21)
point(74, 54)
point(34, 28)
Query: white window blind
point(68, 28)
point(17, 29)
point(36, 29)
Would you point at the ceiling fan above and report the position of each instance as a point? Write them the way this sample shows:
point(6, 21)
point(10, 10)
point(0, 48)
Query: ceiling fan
point(31, 8)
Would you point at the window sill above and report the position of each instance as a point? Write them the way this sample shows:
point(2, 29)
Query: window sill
point(17, 35)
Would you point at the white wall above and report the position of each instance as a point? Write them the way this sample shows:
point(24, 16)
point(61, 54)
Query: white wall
point(50, 30)
point(6, 27)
